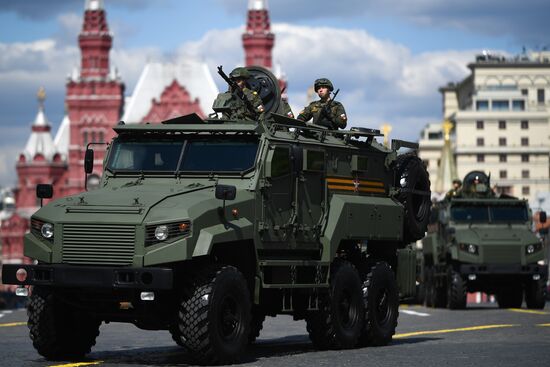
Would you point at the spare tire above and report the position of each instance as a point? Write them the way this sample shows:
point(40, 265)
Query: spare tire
point(413, 184)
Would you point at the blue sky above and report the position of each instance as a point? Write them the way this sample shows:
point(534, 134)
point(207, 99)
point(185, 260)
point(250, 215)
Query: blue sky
point(388, 57)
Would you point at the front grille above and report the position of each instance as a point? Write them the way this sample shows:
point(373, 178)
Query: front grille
point(502, 254)
point(98, 244)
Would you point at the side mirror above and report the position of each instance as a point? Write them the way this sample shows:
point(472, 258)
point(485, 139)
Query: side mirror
point(542, 217)
point(89, 161)
point(44, 191)
point(226, 192)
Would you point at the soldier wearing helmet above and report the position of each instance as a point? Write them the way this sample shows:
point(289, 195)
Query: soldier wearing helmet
point(455, 191)
point(240, 76)
point(324, 112)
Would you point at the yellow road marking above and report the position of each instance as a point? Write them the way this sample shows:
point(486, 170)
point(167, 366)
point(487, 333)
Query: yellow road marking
point(78, 364)
point(528, 311)
point(13, 324)
point(544, 325)
point(444, 331)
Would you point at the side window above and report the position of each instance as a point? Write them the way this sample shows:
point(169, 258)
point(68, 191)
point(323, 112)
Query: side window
point(280, 163)
point(315, 160)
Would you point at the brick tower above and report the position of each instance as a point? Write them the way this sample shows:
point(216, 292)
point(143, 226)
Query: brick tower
point(95, 97)
point(258, 40)
point(39, 163)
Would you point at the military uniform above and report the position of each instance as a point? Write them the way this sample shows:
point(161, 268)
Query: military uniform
point(333, 117)
point(239, 110)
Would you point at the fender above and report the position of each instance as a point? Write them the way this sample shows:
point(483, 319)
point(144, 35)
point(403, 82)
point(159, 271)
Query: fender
point(237, 230)
point(36, 249)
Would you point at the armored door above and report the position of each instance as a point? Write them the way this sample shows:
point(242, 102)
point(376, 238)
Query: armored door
point(277, 195)
point(310, 198)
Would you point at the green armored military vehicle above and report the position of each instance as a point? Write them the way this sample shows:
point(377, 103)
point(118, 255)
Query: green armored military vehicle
point(205, 227)
point(478, 242)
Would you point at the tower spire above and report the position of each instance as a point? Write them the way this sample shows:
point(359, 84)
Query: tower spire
point(258, 40)
point(93, 5)
point(257, 4)
point(95, 41)
point(41, 122)
point(447, 169)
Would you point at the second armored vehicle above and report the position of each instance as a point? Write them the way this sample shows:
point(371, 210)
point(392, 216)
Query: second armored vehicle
point(478, 242)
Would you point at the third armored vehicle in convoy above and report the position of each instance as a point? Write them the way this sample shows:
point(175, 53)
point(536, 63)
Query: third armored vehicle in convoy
point(478, 242)
point(204, 226)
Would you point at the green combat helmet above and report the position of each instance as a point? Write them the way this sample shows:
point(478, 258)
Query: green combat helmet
point(240, 73)
point(323, 82)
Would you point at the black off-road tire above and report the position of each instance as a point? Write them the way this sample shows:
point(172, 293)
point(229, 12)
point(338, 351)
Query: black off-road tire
point(413, 180)
point(214, 321)
point(535, 294)
point(456, 292)
point(440, 298)
point(381, 298)
point(177, 335)
point(510, 298)
point(340, 319)
point(57, 330)
point(439, 294)
point(429, 287)
point(256, 324)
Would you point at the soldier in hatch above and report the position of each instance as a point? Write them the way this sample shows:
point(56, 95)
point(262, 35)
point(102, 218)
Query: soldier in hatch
point(240, 110)
point(325, 112)
point(457, 185)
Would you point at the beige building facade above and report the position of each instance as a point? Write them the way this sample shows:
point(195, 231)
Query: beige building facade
point(501, 113)
point(431, 144)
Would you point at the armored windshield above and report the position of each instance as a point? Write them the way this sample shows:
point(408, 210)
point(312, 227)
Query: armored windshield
point(219, 155)
point(469, 213)
point(512, 213)
point(489, 213)
point(225, 154)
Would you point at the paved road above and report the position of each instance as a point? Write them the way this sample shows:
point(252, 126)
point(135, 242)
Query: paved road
point(479, 336)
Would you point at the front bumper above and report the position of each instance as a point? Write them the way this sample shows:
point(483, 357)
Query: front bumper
point(61, 275)
point(487, 269)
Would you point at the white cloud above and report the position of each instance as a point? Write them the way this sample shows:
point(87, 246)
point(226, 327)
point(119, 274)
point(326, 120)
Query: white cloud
point(424, 71)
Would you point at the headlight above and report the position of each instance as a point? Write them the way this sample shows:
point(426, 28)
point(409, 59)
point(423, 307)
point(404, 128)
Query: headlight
point(469, 248)
point(156, 233)
point(47, 230)
point(531, 249)
point(161, 233)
